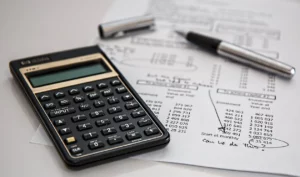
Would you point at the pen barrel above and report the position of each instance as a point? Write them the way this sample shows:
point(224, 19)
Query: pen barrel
point(255, 60)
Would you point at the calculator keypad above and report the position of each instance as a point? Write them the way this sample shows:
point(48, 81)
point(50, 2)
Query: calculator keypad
point(97, 116)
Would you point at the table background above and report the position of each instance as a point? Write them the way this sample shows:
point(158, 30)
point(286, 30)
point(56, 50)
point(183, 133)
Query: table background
point(33, 27)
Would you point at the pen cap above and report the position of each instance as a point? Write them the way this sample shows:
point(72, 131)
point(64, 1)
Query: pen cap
point(122, 27)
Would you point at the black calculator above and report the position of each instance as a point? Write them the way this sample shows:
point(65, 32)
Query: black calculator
point(87, 106)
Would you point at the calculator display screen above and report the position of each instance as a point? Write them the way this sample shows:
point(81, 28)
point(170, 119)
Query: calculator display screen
point(65, 74)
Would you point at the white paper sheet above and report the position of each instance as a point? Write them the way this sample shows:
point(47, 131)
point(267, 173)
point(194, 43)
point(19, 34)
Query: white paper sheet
point(220, 114)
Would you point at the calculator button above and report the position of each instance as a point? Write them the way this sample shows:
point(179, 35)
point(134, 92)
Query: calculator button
point(84, 126)
point(114, 140)
point(132, 105)
point(107, 92)
point(108, 131)
point(128, 126)
point(49, 106)
point(70, 140)
point(102, 85)
point(74, 91)
point(64, 102)
point(113, 100)
point(61, 112)
point(102, 122)
point(144, 122)
point(93, 96)
point(59, 122)
point(96, 144)
point(115, 109)
point(87, 88)
point(121, 89)
point(127, 97)
point(84, 107)
point(151, 131)
point(115, 82)
point(65, 131)
point(139, 113)
point(133, 135)
point(59, 94)
point(78, 99)
point(45, 98)
point(78, 118)
point(120, 118)
point(97, 114)
point(76, 150)
point(90, 135)
point(98, 103)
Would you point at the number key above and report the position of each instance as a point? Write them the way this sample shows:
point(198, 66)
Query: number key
point(115, 109)
point(102, 122)
point(97, 114)
point(128, 126)
point(108, 131)
point(84, 126)
point(90, 135)
point(120, 118)
point(78, 118)
point(96, 144)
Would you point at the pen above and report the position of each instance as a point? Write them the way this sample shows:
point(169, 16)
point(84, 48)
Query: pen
point(239, 54)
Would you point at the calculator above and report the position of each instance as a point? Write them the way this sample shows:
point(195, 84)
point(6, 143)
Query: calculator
point(87, 107)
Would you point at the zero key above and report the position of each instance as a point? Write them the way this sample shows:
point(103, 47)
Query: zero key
point(96, 144)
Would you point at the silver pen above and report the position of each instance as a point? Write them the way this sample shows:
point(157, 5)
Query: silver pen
point(240, 54)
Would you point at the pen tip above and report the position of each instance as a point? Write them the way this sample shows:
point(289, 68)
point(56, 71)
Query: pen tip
point(181, 32)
